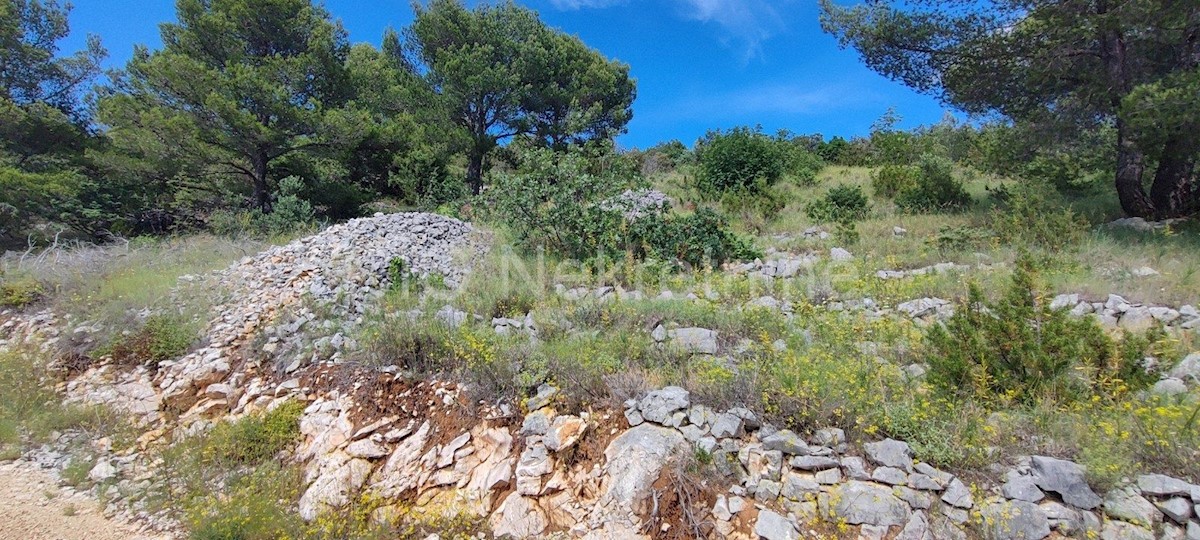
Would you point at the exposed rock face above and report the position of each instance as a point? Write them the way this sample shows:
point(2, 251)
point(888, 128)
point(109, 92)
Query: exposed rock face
point(635, 204)
point(772, 526)
point(890, 453)
point(660, 405)
point(635, 460)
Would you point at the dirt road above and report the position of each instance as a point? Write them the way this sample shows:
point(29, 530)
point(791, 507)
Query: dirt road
point(33, 507)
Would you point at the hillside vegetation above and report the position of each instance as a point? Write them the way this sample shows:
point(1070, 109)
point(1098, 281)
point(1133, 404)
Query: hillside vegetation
point(228, 290)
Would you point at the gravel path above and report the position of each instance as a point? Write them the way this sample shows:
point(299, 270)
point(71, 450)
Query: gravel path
point(33, 507)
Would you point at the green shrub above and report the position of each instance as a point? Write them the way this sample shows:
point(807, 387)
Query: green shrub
point(161, 337)
point(961, 238)
point(936, 188)
point(1035, 218)
point(1018, 349)
point(1063, 171)
point(554, 202)
point(20, 292)
point(255, 438)
point(256, 506)
point(551, 202)
point(290, 213)
point(846, 233)
point(760, 201)
point(739, 159)
point(397, 272)
point(30, 409)
point(840, 204)
point(700, 239)
point(803, 166)
point(891, 180)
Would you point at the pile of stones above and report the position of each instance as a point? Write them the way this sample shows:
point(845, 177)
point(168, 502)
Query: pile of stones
point(634, 204)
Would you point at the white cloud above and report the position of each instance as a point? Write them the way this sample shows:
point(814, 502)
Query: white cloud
point(748, 22)
point(744, 23)
point(584, 4)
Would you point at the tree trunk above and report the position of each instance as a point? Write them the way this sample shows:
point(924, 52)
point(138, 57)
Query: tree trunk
point(1174, 190)
point(262, 193)
point(1131, 161)
point(475, 171)
point(1131, 166)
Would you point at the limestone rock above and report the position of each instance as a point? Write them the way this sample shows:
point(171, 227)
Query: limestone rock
point(1065, 478)
point(1169, 386)
point(564, 432)
point(1014, 520)
point(518, 517)
point(1178, 509)
point(696, 340)
point(1161, 485)
point(1126, 504)
point(1187, 369)
point(785, 441)
point(772, 526)
point(659, 405)
point(890, 453)
point(869, 503)
point(917, 528)
point(334, 488)
point(1120, 530)
point(1022, 488)
point(890, 476)
point(958, 495)
point(367, 449)
point(727, 425)
point(797, 486)
point(102, 471)
point(545, 395)
point(634, 460)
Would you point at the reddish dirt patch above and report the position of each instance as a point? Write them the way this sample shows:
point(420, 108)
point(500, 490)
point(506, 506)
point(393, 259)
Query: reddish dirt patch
point(377, 395)
point(681, 506)
point(606, 426)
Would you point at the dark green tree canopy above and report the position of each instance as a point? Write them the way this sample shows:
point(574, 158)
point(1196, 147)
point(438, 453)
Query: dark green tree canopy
point(1132, 64)
point(250, 80)
point(503, 73)
point(44, 130)
point(407, 141)
point(30, 69)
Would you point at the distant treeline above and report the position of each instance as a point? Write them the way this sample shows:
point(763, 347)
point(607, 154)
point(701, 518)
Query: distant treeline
point(253, 106)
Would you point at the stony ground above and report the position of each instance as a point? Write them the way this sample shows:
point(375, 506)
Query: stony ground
point(283, 333)
point(35, 508)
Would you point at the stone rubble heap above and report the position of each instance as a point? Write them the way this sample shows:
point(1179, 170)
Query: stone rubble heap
point(313, 290)
point(634, 204)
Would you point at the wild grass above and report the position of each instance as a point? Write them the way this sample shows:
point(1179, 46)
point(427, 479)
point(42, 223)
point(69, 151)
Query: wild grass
point(1101, 262)
point(144, 300)
point(838, 369)
point(31, 411)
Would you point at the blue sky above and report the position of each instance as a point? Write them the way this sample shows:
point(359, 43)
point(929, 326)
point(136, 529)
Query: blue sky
point(700, 64)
